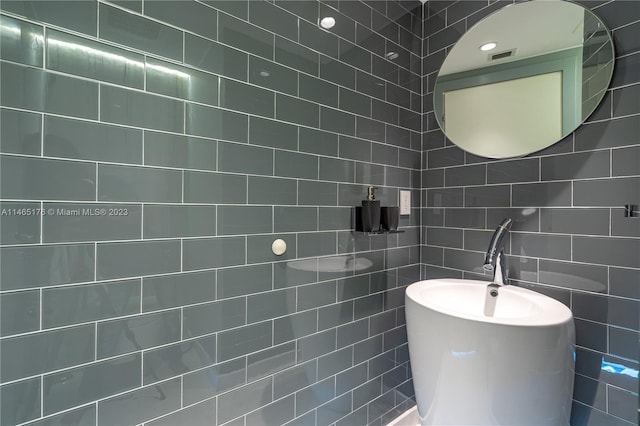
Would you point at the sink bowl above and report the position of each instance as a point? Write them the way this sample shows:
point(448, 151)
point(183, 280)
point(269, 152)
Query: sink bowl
point(468, 299)
point(483, 360)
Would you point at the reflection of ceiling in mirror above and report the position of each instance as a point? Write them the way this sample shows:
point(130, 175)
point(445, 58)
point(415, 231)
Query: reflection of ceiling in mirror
point(517, 27)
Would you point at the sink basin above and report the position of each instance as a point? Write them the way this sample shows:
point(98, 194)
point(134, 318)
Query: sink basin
point(468, 299)
point(483, 360)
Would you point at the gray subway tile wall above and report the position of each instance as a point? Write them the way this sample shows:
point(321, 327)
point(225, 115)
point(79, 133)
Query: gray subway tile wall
point(151, 152)
point(570, 239)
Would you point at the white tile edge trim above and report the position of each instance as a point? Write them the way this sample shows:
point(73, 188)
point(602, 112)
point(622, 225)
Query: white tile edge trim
point(408, 418)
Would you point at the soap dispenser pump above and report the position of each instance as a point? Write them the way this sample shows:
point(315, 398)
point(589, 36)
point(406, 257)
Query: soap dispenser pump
point(371, 212)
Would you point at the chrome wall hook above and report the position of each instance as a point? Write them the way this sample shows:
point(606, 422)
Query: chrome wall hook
point(631, 210)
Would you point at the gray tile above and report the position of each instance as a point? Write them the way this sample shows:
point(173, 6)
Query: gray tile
point(200, 187)
point(291, 327)
point(355, 56)
point(574, 275)
point(169, 291)
point(180, 82)
point(621, 282)
point(48, 92)
point(367, 349)
point(122, 183)
point(140, 109)
point(196, 415)
point(318, 142)
point(216, 123)
point(334, 315)
point(24, 45)
point(337, 121)
point(355, 149)
point(557, 247)
point(191, 16)
point(39, 353)
point(215, 57)
point(525, 170)
point(142, 404)
point(20, 223)
point(297, 111)
point(315, 295)
point(98, 61)
point(273, 76)
point(607, 134)
point(20, 401)
point(542, 194)
point(344, 27)
point(398, 177)
point(606, 192)
point(318, 90)
point(246, 98)
point(278, 412)
point(66, 14)
point(19, 312)
point(85, 414)
point(43, 266)
point(212, 317)
point(273, 19)
point(244, 340)
point(270, 361)
point(245, 280)
point(362, 308)
point(241, 158)
point(398, 136)
point(140, 33)
point(244, 399)
point(315, 345)
point(488, 196)
point(317, 193)
point(213, 252)
point(295, 219)
point(268, 190)
point(317, 39)
point(68, 138)
point(370, 174)
point(138, 332)
point(134, 5)
point(626, 161)
point(370, 129)
point(315, 395)
point(575, 221)
point(68, 388)
point(65, 222)
point(293, 379)
point(129, 259)
point(385, 111)
point(382, 153)
point(296, 165)
point(623, 252)
point(351, 378)
point(259, 248)
point(478, 240)
point(621, 226)
point(270, 305)
point(465, 218)
point(77, 304)
point(21, 132)
point(244, 220)
point(523, 219)
point(179, 221)
point(451, 197)
point(336, 170)
point(212, 381)
point(622, 404)
point(296, 56)
point(273, 133)
point(445, 157)
point(164, 149)
point(335, 362)
point(354, 102)
point(180, 358)
point(576, 166)
point(337, 72)
point(244, 36)
point(622, 342)
point(47, 179)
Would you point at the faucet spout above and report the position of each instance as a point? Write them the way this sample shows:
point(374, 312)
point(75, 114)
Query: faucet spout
point(494, 259)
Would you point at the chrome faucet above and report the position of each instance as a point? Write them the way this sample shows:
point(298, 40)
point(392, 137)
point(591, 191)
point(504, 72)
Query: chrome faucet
point(494, 259)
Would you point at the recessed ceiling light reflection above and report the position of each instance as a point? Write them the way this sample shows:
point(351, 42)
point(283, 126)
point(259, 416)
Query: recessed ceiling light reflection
point(488, 46)
point(391, 55)
point(264, 73)
point(327, 22)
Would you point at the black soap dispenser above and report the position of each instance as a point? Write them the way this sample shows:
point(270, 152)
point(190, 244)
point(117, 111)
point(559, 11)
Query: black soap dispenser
point(371, 212)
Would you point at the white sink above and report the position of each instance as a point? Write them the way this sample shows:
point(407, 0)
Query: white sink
point(468, 299)
point(483, 360)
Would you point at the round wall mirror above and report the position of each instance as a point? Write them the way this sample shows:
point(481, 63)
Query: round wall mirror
point(523, 78)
